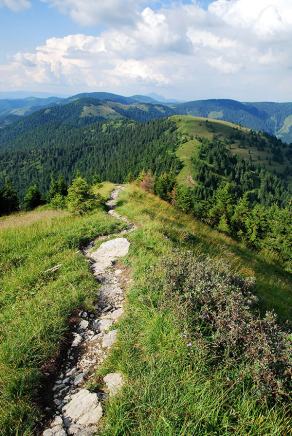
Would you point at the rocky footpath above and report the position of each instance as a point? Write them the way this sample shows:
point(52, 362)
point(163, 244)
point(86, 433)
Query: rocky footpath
point(77, 411)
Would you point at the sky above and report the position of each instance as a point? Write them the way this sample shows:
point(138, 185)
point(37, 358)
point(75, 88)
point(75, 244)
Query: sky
point(183, 49)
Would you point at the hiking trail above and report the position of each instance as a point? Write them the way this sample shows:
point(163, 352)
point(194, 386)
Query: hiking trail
point(77, 411)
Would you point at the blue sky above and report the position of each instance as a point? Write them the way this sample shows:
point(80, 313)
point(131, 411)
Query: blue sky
point(182, 48)
point(39, 23)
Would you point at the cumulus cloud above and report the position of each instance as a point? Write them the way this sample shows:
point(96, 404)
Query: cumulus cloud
point(15, 5)
point(235, 48)
point(90, 12)
point(265, 18)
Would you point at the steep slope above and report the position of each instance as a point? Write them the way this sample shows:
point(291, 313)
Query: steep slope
point(78, 113)
point(100, 138)
point(97, 105)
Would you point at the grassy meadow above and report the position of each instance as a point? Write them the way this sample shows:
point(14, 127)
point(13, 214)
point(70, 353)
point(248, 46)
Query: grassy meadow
point(36, 301)
point(170, 386)
point(196, 127)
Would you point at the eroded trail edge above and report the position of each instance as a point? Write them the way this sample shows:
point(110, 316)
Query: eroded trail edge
point(77, 410)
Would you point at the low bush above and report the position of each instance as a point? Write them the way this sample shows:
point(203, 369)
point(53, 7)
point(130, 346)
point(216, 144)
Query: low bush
point(220, 306)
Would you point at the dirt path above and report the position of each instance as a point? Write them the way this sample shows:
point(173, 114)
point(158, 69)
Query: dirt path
point(77, 410)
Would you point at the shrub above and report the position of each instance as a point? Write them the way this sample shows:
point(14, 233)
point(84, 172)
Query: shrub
point(224, 322)
point(58, 202)
point(147, 181)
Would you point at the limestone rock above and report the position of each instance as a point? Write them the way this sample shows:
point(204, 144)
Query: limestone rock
point(108, 252)
point(109, 339)
point(83, 324)
point(104, 324)
point(114, 382)
point(84, 409)
point(77, 340)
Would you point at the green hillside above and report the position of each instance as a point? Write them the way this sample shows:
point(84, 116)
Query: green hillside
point(260, 149)
point(273, 118)
point(113, 150)
point(183, 373)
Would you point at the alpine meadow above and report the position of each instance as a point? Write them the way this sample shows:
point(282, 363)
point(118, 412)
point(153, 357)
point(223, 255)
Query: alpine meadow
point(145, 237)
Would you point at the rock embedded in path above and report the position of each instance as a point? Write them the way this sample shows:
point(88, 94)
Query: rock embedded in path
point(84, 409)
point(77, 340)
point(83, 324)
point(114, 382)
point(109, 339)
point(104, 325)
point(108, 252)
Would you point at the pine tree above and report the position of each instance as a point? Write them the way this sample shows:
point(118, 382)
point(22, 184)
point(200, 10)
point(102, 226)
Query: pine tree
point(8, 199)
point(80, 199)
point(32, 198)
point(164, 185)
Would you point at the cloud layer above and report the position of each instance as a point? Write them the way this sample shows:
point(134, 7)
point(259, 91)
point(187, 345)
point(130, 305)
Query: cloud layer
point(15, 5)
point(236, 48)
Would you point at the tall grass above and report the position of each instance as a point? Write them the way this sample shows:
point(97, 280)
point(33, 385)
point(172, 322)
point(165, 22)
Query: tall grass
point(36, 303)
point(171, 389)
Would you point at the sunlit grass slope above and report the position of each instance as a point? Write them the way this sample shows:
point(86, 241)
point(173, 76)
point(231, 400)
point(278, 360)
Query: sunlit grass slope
point(36, 301)
point(192, 129)
point(170, 389)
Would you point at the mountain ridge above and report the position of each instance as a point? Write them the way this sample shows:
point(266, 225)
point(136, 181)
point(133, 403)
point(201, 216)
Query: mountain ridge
point(274, 118)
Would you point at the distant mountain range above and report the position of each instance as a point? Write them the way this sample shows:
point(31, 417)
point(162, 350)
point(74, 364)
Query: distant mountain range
point(273, 118)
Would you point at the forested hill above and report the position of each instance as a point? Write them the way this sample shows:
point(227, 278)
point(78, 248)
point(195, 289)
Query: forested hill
point(62, 141)
point(273, 118)
point(38, 128)
point(113, 150)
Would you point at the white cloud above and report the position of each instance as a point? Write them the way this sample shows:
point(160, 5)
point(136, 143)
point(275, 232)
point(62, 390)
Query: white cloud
point(15, 5)
point(90, 12)
point(265, 18)
point(236, 48)
point(224, 66)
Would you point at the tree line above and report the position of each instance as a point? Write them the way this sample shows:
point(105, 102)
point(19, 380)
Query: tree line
point(232, 195)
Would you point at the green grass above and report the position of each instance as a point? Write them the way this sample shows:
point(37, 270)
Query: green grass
point(169, 387)
point(36, 303)
point(185, 152)
point(192, 127)
point(104, 189)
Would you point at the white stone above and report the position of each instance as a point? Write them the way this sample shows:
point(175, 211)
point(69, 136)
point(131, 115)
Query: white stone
point(109, 339)
point(114, 382)
point(78, 379)
point(84, 409)
point(56, 431)
point(77, 340)
point(116, 314)
point(104, 324)
point(57, 422)
point(108, 252)
point(71, 372)
point(83, 324)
